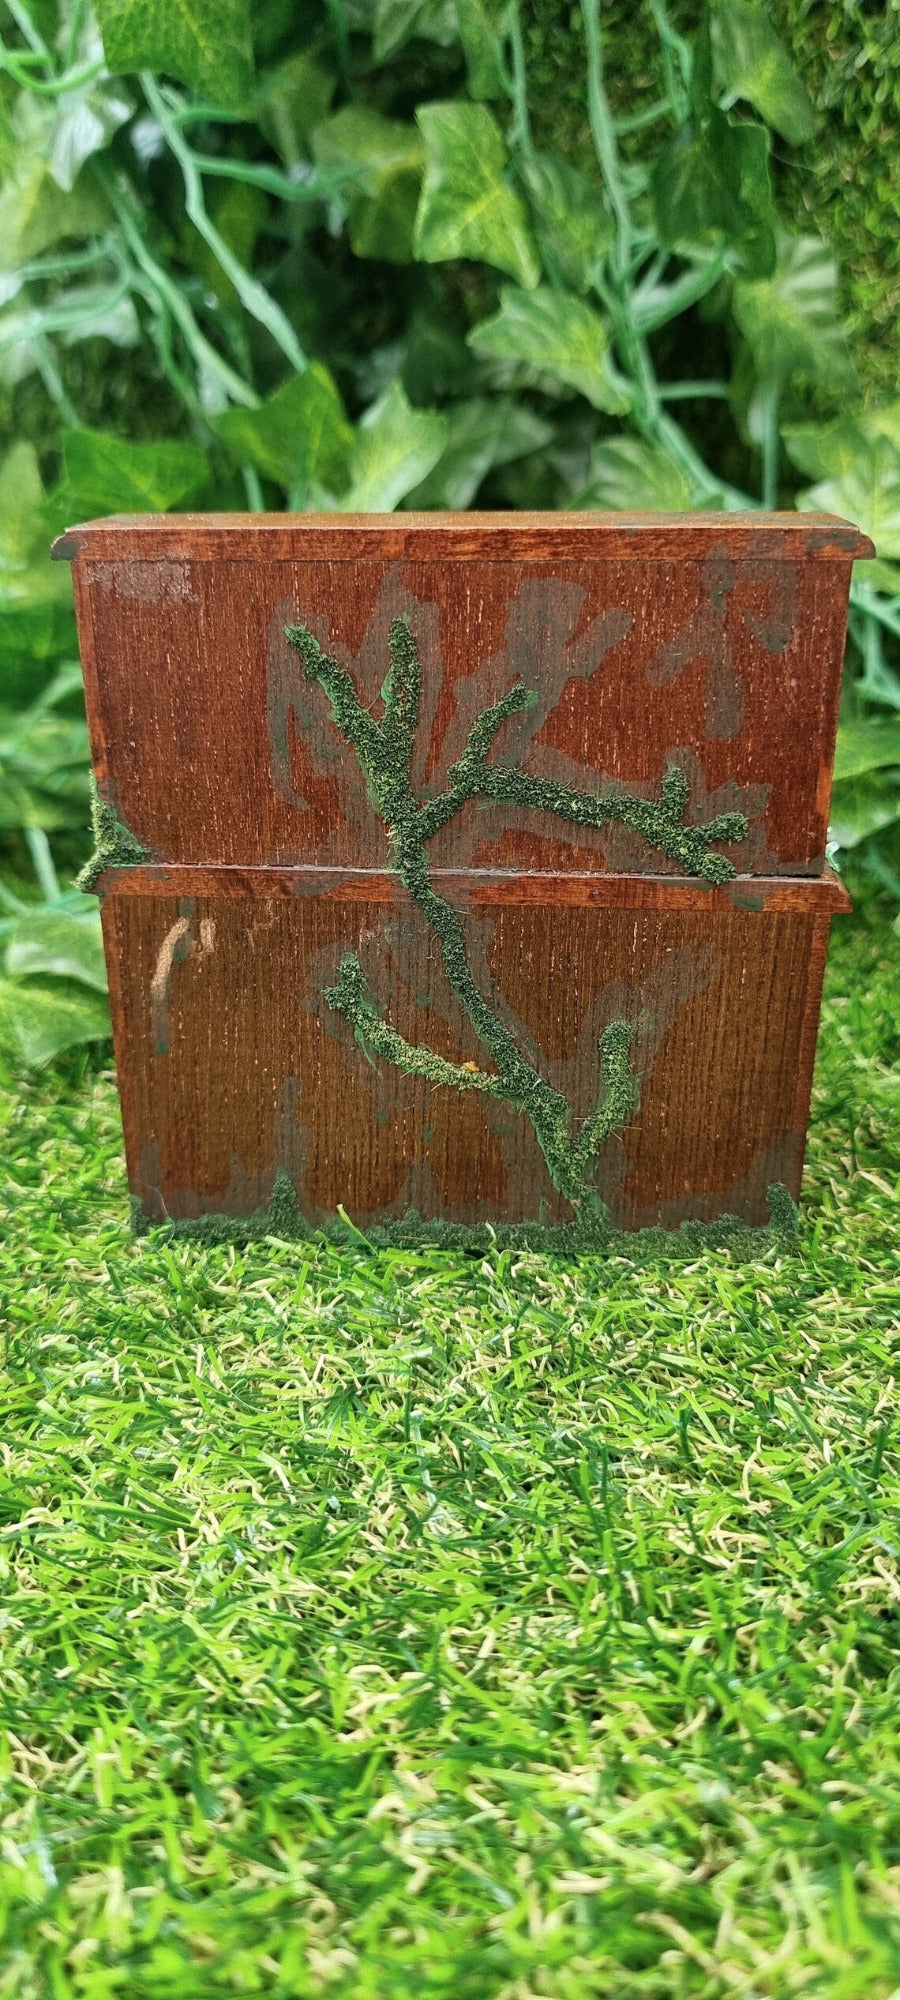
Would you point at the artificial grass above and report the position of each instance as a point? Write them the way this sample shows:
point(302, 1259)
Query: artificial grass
point(407, 1622)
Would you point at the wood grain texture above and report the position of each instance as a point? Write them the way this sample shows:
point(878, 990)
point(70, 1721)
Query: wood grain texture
point(486, 888)
point(470, 536)
point(232, 1065)
point(712, 642)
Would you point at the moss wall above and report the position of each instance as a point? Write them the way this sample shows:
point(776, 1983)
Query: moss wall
point(847, 180)
point(845, 183)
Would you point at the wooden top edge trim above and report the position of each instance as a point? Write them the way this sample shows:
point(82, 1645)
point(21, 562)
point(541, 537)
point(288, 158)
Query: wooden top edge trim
point(803, 894)
point(488, 537)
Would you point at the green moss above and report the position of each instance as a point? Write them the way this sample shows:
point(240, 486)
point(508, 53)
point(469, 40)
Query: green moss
point(556, 60)
point(846, 182)
point(584, 1236)
point(384, 749)
point(283, 1217)
point(115, 846)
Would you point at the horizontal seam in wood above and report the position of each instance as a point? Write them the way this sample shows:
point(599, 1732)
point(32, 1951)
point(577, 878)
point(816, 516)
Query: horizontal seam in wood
point(744, 895)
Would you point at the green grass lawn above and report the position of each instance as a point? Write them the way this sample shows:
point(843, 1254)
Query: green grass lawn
point(408, 1623)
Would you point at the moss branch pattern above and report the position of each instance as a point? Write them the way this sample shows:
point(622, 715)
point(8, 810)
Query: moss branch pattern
point(115, 846)
point(384, 749)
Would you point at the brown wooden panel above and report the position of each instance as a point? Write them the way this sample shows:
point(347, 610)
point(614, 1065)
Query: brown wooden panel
point(474, 888)
point(232, 1064)
point(711, 642)
point(486, 537)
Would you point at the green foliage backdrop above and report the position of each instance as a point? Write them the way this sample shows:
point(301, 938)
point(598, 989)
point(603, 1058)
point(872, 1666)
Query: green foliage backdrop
point(841, 178)
point(424, 253)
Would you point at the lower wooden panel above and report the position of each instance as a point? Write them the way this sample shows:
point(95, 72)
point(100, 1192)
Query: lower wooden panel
point(232, 1064)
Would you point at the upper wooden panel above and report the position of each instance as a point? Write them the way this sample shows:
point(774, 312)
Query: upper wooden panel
point(460, 537)
point(713, 642)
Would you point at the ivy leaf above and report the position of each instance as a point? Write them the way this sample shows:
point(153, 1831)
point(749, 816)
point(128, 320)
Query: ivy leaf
point(883, 420)
point(857, 467)
point(292, 100)
point(856, 462)
point(484, 432)
point(383, 161)
point(863, 806)
point(790, 320)
point(868, 745)
point(437, 364)
point(867, 493)
point(107, 475)
point(396, 448)
point(299, 437)
point(44, 761)
point(86, 312)
point(35, 212)
point(558, 335)
point(466, 208)
point(882, 576)
point(712, 185)
point(206, 45)
point(85, 122)
point(35, 596)
point(32, 792)
point(628, 475)
point(97, 318)
point(397, 21)
point(750, 61)
point(821, 450)
point(479, 32)
point(33, 795)
point(21, 500)
point(63, 940)
point(42, 1020)
point(574, 227)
